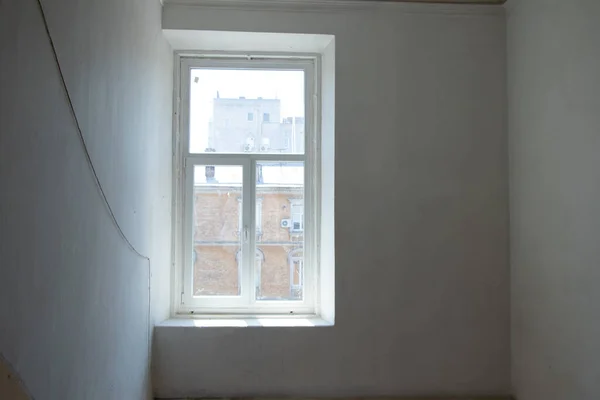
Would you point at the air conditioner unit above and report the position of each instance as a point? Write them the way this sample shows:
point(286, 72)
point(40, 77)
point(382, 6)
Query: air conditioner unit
point(286, 223)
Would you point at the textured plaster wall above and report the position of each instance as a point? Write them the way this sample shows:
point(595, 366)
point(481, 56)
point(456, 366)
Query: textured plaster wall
point(554, 135)
point(74, 300)
point(422, 275)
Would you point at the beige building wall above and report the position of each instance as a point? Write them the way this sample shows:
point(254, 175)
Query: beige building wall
point(217, 243)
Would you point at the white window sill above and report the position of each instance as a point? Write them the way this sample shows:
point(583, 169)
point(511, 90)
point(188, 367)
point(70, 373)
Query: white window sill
point(240, 322)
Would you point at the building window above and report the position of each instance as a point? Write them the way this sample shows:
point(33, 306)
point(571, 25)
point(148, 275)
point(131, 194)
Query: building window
point(296, 265)
point(234, 252)
point(259, 258)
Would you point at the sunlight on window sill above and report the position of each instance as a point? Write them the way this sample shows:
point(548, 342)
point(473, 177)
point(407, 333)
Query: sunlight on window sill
point(224, 322)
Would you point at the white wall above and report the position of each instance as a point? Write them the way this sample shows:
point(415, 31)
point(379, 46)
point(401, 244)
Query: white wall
point(422, 296)
point(554, 98)
point(74, 299)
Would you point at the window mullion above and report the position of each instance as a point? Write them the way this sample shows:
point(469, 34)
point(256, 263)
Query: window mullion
point(252, 225)
point(247, 233)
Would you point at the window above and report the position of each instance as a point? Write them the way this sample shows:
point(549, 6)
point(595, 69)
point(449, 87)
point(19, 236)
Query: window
point(236, 253)
point(296, 265)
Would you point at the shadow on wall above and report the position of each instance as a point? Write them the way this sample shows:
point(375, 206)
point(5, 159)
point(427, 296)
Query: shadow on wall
point(11, 387)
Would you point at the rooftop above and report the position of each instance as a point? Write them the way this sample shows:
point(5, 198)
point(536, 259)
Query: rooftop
point(273, 174)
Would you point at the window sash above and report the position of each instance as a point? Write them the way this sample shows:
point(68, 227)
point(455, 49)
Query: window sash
point(258, 217)
point(246, 303)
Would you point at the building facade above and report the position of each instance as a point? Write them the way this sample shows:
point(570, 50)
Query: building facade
point(250, 125)
point(254, 125)
point(217, 237)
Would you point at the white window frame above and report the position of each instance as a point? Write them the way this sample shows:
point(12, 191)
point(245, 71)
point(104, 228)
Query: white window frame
point(184, 303)
point(259, 202)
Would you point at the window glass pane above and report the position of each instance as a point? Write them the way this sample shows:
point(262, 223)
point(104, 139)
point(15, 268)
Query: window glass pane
point(216, 230)
point(279, 268)
point(246, 111)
